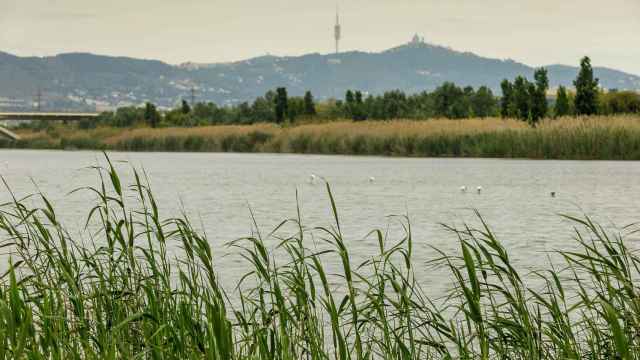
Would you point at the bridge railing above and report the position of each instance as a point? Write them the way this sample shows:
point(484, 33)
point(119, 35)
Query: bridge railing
point(46, 116)
point(8, 134)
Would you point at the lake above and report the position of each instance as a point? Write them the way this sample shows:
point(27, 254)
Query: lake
point(217, 190)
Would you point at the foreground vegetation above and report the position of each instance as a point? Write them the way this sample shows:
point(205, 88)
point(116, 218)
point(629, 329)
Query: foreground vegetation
point(597, 137)
point(120, 294)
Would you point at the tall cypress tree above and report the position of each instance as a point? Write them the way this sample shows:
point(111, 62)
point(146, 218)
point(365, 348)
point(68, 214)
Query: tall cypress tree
point(586, 101)
point(562, 102)
point(281, 104)
point(350, 100)
point(309, 105)
point(185, 108)
point(507, 100)
point(539, 106)
point(151, 115)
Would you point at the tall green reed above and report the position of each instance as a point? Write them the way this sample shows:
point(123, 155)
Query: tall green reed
point(119, 292)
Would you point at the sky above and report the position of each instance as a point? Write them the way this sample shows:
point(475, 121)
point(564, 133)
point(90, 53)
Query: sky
point(536, 32)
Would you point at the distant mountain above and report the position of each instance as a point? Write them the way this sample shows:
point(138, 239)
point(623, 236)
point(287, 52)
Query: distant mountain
point(80, 80)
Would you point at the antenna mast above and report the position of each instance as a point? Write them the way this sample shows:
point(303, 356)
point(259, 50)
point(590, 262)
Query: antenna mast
point(337, 30)
point(39, 99)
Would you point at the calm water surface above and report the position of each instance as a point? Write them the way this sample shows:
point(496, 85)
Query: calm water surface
point(217, 190)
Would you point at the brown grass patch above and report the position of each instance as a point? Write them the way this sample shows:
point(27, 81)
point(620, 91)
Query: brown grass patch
point(202, 131)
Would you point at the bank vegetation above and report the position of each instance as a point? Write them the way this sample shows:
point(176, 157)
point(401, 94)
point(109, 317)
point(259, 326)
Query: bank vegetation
point(615, 137)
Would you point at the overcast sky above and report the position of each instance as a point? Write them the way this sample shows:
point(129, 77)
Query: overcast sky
point(535, 32)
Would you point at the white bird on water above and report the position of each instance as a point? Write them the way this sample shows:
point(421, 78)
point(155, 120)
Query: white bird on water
point(479, 189)
point(463, 189)
point(372, 179)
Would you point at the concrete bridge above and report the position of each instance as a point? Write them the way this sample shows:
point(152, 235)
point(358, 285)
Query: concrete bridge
point(8, 134)
point(4, 132)
point(51, 116)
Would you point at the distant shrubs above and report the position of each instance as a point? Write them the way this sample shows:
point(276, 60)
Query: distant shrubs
point(619, 102)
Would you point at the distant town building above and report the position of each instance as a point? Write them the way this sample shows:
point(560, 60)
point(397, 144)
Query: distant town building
point(13, 104)
point(416, 40)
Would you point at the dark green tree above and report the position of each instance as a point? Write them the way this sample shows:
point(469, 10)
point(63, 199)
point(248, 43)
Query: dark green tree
point(449, 101)
point(483, 103)
point(359, 111)
point(177, 117)
point(151, 115)
point(586, 101)
point(562, 102)
point(281, 104)
point(349, 97)
point(127, 116)
point(270, 96)
point(185, 108)
point(539, 106)
point(393, 105)
point(507, 102)
point(244, 115)
point(309, 104)
point(209, 113)
point(262, 110)
point(350, 102)
point(522, 90)
point(295, 108)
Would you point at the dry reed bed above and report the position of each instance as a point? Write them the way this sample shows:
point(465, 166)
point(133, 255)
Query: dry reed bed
point(398, 127)
point(598, 137)
point(202, 131)
point(366, 128)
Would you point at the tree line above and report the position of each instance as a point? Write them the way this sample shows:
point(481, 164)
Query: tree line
point(521, 98)
point(528, 100)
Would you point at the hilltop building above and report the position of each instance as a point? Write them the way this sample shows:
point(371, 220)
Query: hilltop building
point(417, 40)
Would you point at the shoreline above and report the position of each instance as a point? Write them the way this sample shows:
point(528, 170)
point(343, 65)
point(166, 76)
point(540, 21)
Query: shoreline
point(364, 156)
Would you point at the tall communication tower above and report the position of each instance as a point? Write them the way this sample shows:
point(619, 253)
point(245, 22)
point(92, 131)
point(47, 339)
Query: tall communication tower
point(337, 31)
point(39, 99)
